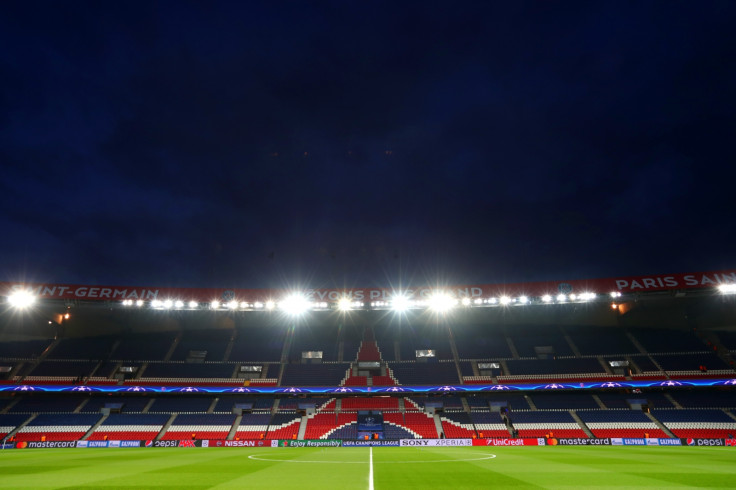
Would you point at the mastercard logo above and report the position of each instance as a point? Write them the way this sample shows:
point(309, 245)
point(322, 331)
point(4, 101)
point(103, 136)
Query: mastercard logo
point(21, 445)
point(551, 441)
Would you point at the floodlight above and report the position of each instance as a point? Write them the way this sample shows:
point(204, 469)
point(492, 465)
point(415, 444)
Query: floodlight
point(615, 294)
point(493, 301)
point(727, 288)
point(243, 305)
point(294, 304)
point(232, 305)
point(546, 298)
point(258, 305)
point(156, 303)
point(505, 300)
point(270, 305)
point(466, 301)
point(67, 316)
point(478, 301)
point(587, 296)
point(441, 302)
point(344, 304)
point(215, 305)
point(21, 299)
point(561, 297)
point(127, 302)
point(523, 300)
point(400, 303)
point(168, 304)
point(139, 303)
point(573, 297)
point(193, 304)
point(179, 303)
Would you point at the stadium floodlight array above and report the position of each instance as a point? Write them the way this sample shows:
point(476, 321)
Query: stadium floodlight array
point(300, 303)
point(727, 288)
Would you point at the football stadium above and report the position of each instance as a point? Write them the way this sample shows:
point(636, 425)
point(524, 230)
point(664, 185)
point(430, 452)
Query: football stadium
point(618, 382)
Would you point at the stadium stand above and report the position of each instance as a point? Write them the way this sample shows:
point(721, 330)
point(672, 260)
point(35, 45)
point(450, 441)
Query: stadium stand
point(126, 427)
point(200, 426)
point(620, 423)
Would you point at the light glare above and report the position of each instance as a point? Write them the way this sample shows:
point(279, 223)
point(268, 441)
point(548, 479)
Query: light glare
point(294, 304)
point(21, 299)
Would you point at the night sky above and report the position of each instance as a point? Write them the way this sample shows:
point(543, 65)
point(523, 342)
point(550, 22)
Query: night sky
point(329, 144)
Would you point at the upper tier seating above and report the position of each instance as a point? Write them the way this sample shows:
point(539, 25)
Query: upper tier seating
point(659, 341)
point(480, 342)
point(46, 404)
point(527, 339)
point(314, 374)
point(554, 366)
point(130, 404)
point(180, 403)
point(25, 349)
point(262, 344)
point(144, 347)
point(84, 348)
point(213, 341)
point(601, 341)
point(705, 399)
point(563, 401)
point(425, 373)
point(311, 339)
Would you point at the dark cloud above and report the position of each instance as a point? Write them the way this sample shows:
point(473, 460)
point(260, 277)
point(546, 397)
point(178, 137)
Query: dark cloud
point(252, 144)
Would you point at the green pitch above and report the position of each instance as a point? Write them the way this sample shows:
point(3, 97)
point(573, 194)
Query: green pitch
point(349, 468)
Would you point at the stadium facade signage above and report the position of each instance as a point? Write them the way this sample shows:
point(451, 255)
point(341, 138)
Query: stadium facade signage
point(703, 442)
point(309, 443)
point(577, 441)
point(379, 443)
point(436, 442)
point(661, 282)
point(507, 442)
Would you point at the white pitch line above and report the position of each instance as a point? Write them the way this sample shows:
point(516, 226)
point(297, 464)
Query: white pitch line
point(370, 469)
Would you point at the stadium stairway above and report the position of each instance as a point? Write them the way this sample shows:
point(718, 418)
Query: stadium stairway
point(234, 428)
point(166, 427)
point(581, 424)
point(661, 425)
point(94, 427)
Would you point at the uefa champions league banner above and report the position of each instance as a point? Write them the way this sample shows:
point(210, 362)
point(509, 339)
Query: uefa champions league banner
point(371, 443)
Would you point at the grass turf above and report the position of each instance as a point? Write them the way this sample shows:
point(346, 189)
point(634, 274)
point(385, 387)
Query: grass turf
point(348, 468)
